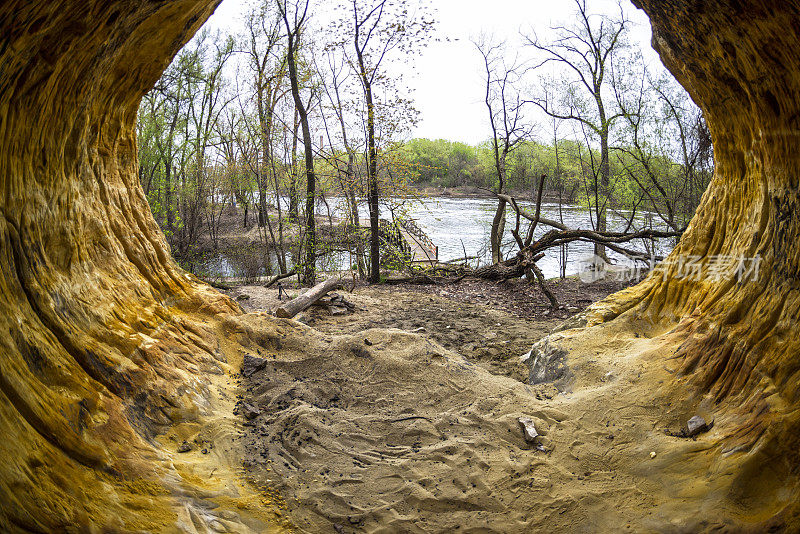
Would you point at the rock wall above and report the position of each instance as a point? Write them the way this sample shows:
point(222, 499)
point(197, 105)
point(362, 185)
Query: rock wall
point(106, 344)
point(739, 61)
point(103, 338)
point(735, 340)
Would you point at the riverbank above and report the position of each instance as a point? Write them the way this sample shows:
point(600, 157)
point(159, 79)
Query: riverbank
point(458, 227)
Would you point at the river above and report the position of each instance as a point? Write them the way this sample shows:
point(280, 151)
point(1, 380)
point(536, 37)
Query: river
point(460, 226)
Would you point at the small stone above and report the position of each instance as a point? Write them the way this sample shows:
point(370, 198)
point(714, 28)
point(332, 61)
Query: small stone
point(338, 310)
point(528, 429)
point(243, 297)
point(694, 426)
point(652, 454)
point(367, 342)
point(252, 364)
point(204, 451)
point(250, 411)
point(185, 447)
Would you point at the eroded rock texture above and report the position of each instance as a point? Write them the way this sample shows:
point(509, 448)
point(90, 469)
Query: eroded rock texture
point(103, 338)
point(740, 62)
point(737, 342)
point(106, 346)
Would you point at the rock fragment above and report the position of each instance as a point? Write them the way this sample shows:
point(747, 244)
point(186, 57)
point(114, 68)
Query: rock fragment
point(528, 429)
point(252, 364)
point(250, 411)
point(696, 425)
point(338, 310)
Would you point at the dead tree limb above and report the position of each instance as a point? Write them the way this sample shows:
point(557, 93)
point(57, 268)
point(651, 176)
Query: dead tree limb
point(296, 305)
point(610, 239)
point(279, 277)
point(526, 258)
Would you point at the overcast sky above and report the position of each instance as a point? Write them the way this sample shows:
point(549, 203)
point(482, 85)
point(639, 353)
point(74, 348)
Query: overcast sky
point(447, 82)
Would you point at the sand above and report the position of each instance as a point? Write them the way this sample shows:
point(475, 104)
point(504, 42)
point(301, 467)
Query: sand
point(389, 431)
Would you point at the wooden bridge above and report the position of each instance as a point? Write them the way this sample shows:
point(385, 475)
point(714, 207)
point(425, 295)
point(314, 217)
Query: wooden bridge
point(411, 239)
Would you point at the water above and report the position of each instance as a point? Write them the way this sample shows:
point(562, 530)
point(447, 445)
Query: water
point(459, 227)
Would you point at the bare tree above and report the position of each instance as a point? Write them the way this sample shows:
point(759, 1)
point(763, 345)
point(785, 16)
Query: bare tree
point(668, 151)
point(375, 29)
point(507, 120)
point(586, 52)
point(267, 62)
point(294, 31)
point(332, 84)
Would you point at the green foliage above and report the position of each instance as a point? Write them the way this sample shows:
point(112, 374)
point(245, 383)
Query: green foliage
point(570, 166)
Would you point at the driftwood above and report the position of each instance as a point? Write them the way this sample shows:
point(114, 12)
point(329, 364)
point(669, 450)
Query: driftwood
point(279, 277)
point(296, 305)
point(611, 240)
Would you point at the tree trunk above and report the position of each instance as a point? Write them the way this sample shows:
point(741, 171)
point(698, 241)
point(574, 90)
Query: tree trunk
point(309, 267)
point(604, 191)
point(170, 216)
point(372, 169)
point(498, 228)
point(296, 305)
point(262, 201)
point(293, 202)
point(355, 220)
point(374, 239)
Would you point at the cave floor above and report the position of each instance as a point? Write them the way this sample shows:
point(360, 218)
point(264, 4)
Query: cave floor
point(403, 416)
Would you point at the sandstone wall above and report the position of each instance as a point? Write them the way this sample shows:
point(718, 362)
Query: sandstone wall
point(107, 344)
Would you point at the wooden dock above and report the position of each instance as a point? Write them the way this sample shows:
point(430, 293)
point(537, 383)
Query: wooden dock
point(420, 247)
point(421, 252)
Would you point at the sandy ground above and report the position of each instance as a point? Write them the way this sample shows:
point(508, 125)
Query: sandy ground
point(388, 431)
point(491, 324)
point(385, 430)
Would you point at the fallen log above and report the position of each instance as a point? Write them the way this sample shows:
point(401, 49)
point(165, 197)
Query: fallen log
point(296, 305)
point(279, 277)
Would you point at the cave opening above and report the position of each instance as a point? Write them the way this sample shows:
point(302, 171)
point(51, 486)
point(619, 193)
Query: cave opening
point(112, 355)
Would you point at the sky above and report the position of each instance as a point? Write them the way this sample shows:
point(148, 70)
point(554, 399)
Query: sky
point(447, 81)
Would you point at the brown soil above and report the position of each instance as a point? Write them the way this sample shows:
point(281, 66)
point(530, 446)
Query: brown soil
point(491, 324)
point(381, 430)
point(363, 427)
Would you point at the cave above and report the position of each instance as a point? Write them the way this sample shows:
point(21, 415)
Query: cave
point(112, 355)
